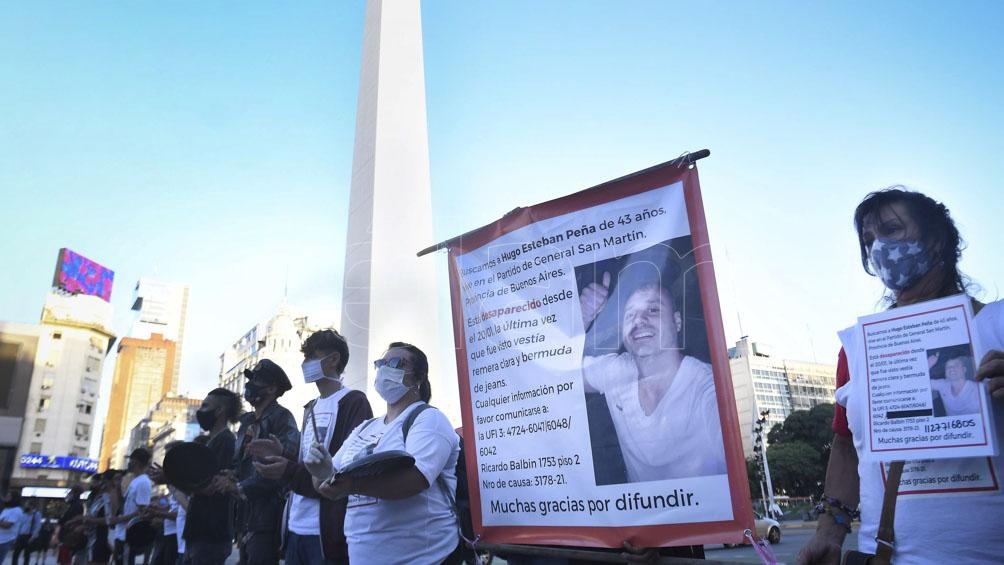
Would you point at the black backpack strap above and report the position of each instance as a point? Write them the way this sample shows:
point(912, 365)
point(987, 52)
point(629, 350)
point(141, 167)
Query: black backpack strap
point(405, 427)
point(411, 419)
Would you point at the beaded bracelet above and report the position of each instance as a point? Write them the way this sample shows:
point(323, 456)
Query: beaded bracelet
point(836, 504)
point(839, 517)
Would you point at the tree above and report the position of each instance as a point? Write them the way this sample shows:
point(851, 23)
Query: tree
point(812, 427)
point(800, 449)
point(795, 468)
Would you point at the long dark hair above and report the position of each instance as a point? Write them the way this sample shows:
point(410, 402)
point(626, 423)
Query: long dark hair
point(938, 233)
point(420, 366)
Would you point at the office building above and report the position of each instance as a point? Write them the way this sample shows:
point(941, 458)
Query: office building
point(143, 376)
point(18, 345)
point(161, 308)
point(278, 339)
point(70, 345)
point(762, 381)
point(170, 419)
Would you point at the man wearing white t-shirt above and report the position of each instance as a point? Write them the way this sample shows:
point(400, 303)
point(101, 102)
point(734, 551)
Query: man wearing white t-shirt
point(137, 498)
point(662, 403)
point(314, 528)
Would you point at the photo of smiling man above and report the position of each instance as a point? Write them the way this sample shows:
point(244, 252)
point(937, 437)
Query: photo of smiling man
point(661, 400)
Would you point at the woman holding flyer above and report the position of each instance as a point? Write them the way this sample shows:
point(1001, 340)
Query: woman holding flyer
point(911, 243)
point(405, 515)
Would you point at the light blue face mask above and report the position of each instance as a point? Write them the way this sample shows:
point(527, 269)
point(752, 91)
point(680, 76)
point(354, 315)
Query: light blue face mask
point(900, 263)
point(390, 384)
point(313, 372)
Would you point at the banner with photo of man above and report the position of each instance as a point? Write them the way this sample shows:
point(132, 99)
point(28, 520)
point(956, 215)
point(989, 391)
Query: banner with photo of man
point(596, 395)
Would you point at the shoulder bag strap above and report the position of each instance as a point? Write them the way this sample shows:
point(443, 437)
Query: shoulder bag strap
point(886, 537)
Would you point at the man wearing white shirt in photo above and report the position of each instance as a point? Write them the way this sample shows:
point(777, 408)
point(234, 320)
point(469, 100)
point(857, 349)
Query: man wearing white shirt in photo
point(662, 402)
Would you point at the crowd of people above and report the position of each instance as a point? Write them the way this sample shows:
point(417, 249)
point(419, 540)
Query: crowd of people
point(276, 490)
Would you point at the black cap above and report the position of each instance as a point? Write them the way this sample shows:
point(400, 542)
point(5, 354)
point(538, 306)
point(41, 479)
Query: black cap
point(140, 454)
point(266, 371)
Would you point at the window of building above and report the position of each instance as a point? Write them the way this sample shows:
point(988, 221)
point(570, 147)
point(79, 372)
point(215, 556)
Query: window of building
point(36, 447)
point(44, 403)
point(85, 407)
point(93, 364)
point(83, 431)
point(40, 426)
point(89, 386)
point(47, 380)
point(57, 335)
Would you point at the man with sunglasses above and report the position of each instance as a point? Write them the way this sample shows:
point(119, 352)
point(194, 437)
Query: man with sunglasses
point(314, 525)
point(259, 515)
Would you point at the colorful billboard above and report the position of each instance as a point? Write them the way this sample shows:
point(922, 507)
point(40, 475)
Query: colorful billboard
point(79, 275)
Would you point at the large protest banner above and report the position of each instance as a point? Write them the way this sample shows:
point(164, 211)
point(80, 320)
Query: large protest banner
point(596, 395)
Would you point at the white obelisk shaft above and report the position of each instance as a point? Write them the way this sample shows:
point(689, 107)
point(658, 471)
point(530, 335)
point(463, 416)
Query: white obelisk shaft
point(389, 294)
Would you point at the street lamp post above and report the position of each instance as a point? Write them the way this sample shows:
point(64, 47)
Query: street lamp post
point(761, 450)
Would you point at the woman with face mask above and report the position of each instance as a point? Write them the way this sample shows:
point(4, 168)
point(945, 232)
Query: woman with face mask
point(911, 244)
point(406, 516)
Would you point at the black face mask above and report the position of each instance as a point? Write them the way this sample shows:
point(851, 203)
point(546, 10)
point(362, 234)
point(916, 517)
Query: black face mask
point(253, 393)
point(206, 419)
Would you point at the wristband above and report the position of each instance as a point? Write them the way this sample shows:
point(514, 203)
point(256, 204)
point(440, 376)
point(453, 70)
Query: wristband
point(834, 503)
point(839, 518)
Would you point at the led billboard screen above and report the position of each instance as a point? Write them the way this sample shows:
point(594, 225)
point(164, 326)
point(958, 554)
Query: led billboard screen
point(79, 275)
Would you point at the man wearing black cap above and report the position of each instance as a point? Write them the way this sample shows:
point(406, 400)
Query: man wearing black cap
point(137, 498)
point(260, 513)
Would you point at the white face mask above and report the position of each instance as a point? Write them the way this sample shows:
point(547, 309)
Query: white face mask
point(313, 372)
point(390, 384)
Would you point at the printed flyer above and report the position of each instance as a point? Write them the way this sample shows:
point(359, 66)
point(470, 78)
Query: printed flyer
point(924, 401)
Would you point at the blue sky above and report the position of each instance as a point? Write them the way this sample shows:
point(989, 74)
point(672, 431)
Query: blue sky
point(211, 143)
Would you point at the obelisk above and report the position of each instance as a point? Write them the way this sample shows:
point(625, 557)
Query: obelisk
point(388, 293)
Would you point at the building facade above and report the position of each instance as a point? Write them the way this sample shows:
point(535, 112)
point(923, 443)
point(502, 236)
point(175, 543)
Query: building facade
point(18, 346)
point(143, 375)
point(171, 419)
point(161, 308)
point(73, 339)
point(278, 339)
point(762, 381)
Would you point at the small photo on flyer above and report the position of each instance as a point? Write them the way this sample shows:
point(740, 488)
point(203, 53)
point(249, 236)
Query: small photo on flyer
point(954, 391)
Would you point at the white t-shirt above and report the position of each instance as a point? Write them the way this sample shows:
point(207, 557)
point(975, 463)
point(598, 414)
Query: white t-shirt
point(180, 520)
point(947, 524)
point(138, 494)
point(966, 402)
point(13, 516)
point(682, 437)
point(305, 513)
point(171, 526)
point(418, 529)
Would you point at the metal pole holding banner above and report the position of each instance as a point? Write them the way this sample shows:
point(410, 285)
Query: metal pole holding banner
point(686, 159)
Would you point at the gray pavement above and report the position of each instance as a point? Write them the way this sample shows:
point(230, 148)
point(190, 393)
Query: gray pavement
point(793, 537)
